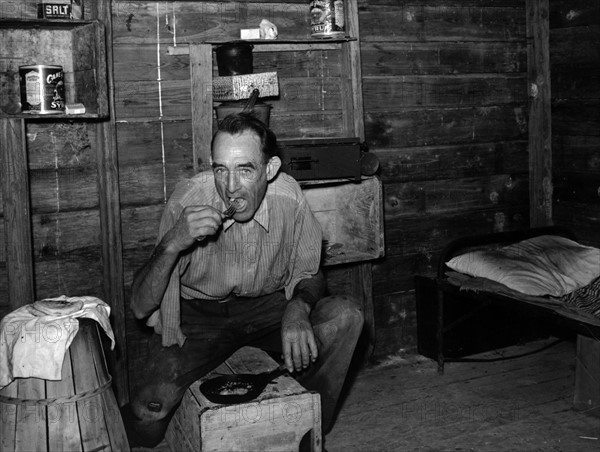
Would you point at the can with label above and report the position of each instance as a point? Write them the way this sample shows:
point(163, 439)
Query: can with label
point(42, 89)
point(327, 19)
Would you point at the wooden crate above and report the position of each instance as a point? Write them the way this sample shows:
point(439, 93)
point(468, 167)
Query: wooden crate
point(275, 421)
point(77, 46)
point(587, 376)
point(351, 216)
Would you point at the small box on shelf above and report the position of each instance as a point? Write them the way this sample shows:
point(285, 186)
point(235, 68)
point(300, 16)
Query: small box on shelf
point(250, 33)
point(237, 87)
point(77, 46)
point(75, 109)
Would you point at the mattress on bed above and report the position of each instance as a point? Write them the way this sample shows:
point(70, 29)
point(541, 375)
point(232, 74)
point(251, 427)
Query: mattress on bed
point(546, 270)
point(582, 304)
point(542, 265)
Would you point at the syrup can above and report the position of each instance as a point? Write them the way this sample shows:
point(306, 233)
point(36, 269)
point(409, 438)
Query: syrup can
point(42, 89)
point(327, 19)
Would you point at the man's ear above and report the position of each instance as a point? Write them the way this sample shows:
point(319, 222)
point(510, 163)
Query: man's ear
point(273, 167)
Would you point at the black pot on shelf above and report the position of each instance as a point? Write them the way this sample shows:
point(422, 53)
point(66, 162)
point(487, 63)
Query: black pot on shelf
point(234, 58)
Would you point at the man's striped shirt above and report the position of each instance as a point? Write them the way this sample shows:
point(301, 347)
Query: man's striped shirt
point(275, 250)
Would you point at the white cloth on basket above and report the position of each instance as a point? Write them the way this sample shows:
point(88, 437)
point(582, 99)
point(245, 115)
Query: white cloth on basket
point(34, 345)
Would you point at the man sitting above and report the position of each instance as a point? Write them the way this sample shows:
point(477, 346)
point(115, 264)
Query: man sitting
point(215, 282)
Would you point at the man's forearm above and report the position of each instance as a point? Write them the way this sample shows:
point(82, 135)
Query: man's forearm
point(310, 290)
point(151, 281)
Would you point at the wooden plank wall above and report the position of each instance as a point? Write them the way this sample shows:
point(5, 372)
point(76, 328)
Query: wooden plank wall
point(575, 69)
point(446, 113)
point(64, 206)
point(64, 198)
point(153, 103)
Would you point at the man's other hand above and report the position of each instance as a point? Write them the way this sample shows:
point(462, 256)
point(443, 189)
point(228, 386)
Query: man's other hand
point(298, 340)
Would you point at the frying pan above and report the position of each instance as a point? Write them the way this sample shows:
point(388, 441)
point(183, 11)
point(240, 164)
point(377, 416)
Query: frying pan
point(238, 388)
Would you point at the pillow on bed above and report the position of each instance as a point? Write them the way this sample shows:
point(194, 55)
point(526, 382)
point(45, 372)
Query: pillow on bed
point(544, 265)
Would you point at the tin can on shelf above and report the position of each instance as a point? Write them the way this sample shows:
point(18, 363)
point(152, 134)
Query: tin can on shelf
point(42, 89)
point(327, 19)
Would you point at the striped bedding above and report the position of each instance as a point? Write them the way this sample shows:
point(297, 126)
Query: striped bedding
point(586, 298)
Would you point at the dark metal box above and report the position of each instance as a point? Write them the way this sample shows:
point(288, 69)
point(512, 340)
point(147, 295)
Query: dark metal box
point(321, 158)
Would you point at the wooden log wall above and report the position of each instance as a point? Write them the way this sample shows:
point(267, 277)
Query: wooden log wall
point(575, 69)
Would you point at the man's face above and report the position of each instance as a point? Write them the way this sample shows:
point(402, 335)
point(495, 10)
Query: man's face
point(240, 171)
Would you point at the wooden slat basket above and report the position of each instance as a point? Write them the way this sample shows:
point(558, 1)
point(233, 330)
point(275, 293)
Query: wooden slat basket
point(77, 413)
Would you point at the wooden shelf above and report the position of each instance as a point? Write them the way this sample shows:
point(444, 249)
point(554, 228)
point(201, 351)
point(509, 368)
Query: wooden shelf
point(51, 116)
point(77, 46)
point(272, 45)
point(201, 74)
point(43, 23)
point(275, 42)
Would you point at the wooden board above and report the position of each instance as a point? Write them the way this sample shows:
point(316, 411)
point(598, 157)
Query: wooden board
point(392, 58)
point(587, 376)
point(236, 87)
point(422, 90)
point(430, 163)
point(186, 22)
point(540, 124)
point(15, 196)
point(63, 419)
point(416, 22)
point(574, 45)
point(400, 127)
point(136, 62)
point(502, 191)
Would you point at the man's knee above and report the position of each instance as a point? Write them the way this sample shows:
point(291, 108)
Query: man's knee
point(349, 311)
point(342, 311)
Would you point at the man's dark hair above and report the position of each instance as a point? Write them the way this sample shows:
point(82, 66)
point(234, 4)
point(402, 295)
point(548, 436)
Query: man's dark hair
point(240, 122)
